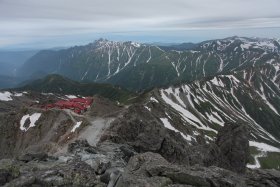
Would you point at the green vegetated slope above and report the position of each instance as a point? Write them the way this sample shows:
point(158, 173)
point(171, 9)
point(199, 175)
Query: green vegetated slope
point(61, 85)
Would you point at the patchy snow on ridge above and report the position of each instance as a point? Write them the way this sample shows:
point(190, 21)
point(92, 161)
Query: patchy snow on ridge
point(71, 96)
point(217, 82)
point(135, 44)
point(214, 119)
point(47, 93)
point(154, 99)
point(148, 108)
point(245, 46)
point(6, 96)
point(78, 124)
point(266, 101)
point(167, 125)
point(33, 119)
point(186, 115)
point(18, 94)
point(231, 77)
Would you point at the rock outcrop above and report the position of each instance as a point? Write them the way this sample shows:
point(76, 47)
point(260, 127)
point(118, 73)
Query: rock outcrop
point(144, 132)
point(233, 142)
point(151, 169)
point(82, 165)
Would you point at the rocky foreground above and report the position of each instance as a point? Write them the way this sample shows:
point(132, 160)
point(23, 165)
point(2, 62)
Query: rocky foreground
point(115, 164)
point(133, 149)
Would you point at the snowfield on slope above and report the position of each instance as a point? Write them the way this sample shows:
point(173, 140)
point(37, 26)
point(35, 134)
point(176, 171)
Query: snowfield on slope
point(7, 96)
point(264, 147)
point(187, 115)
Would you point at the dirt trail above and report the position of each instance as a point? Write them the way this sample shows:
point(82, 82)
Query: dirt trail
point(93, 132)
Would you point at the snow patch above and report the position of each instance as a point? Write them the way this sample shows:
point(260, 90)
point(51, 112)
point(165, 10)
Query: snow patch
point(33, 119)
point(71, 96)
point(78, 124)
point(150, 55)
point(245, 46)
point(5, 96)
point(18, 94)
point(217, 82)
point(154, 99)
point(264, 147)
point(266, 101)
point(135, 44)
point(257, 162)
point(148, 108)
point(231, 77)
point(213, 119)
point(167, 125)
point(47, 93)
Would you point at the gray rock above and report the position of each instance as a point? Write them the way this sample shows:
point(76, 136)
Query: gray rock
point(33, 156)
point(22, 181)
point(261, 177)
point(128, 152)
point(205, 155)
point(139, 129)
point(78, 145)
point(102, 167)
point(5, 176)
point(233, 142)
point(74, 173)
point(151, 169)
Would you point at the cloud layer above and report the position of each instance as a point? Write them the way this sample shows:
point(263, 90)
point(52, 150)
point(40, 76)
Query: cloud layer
point(39, 21)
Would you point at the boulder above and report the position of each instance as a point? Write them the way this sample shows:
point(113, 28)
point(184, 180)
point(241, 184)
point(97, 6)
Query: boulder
point(52, 173)
point(33, 156)
point(5, 176)
point(79, 145)
point(205, 155)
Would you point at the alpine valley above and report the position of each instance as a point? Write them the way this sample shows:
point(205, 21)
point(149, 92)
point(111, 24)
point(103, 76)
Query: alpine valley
point(205, 114)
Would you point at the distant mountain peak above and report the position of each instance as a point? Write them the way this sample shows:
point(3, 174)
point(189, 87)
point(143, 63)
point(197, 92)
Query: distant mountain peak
point(105, 42)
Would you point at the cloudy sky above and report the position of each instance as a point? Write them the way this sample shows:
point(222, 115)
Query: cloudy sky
point(51, 23)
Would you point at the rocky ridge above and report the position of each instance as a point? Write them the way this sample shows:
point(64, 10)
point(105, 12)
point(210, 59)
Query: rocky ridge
point(134, 149)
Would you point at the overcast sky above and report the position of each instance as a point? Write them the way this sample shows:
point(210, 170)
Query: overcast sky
point(50, 23)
